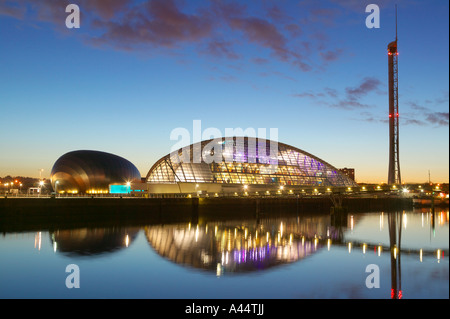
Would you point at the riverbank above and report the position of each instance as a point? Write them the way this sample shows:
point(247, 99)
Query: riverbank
point(23, 214)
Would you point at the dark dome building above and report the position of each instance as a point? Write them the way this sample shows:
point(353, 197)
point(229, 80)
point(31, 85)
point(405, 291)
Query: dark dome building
point(243, 164)
point(92, 172)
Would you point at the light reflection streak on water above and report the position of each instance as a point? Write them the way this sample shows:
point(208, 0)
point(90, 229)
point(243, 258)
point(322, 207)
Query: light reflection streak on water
point(294, 240)
point(38, 240)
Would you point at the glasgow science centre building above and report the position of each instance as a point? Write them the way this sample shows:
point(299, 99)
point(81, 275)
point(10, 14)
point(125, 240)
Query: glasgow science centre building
point(234, 166)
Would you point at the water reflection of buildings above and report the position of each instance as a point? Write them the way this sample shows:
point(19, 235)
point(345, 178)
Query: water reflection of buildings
point(92, 241)
point(244, 246)
point(254, 245)
point(240, 246)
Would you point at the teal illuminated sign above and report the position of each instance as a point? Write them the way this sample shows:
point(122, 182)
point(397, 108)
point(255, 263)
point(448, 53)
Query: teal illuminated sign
point(119, 189)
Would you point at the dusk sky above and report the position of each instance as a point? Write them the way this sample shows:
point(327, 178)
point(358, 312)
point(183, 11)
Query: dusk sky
point(136, 70)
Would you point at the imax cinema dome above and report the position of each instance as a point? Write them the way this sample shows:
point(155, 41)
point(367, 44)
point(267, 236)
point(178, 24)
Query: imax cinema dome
point(91, 172)
point(231, 164)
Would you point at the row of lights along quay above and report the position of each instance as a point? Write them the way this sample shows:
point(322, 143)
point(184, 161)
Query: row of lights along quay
point(44, 210)
point(17, 188)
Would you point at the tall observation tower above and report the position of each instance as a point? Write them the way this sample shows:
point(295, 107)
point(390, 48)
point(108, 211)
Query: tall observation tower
point(394, 156)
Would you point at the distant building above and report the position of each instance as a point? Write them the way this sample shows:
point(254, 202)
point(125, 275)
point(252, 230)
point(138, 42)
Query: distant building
point(349, 172)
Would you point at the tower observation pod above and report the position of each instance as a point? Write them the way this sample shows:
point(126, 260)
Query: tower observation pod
point(394, 156)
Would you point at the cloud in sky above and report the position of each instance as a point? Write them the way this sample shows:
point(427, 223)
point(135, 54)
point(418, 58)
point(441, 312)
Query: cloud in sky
point(13, 10)
point(262, 33)
point(417, 107)
point(219, 28)
point(307, 94)
point(442, 99)
point(354, 95)
point(156, 23)
point(353, 98)
point(428, 114)
point(419, 116)
point(331, 55)
point(221, 49)
point(438, 118)
point(368, 85)
point(260, 61)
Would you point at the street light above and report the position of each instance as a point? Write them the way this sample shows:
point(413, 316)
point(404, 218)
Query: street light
point(41, 183)
point(128, 188)
point(56, 188)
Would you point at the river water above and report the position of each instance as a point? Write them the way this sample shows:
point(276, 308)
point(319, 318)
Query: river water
point(374, 255)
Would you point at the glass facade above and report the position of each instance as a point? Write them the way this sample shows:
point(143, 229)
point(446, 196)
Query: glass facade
point(245, 161)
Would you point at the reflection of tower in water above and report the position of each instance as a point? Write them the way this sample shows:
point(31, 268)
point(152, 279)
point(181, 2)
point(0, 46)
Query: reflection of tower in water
point(395, 237)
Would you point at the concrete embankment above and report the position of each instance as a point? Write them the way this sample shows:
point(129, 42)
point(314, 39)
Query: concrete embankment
point(25, 214)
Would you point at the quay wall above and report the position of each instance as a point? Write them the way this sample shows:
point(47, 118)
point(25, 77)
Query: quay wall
point(22, 214)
